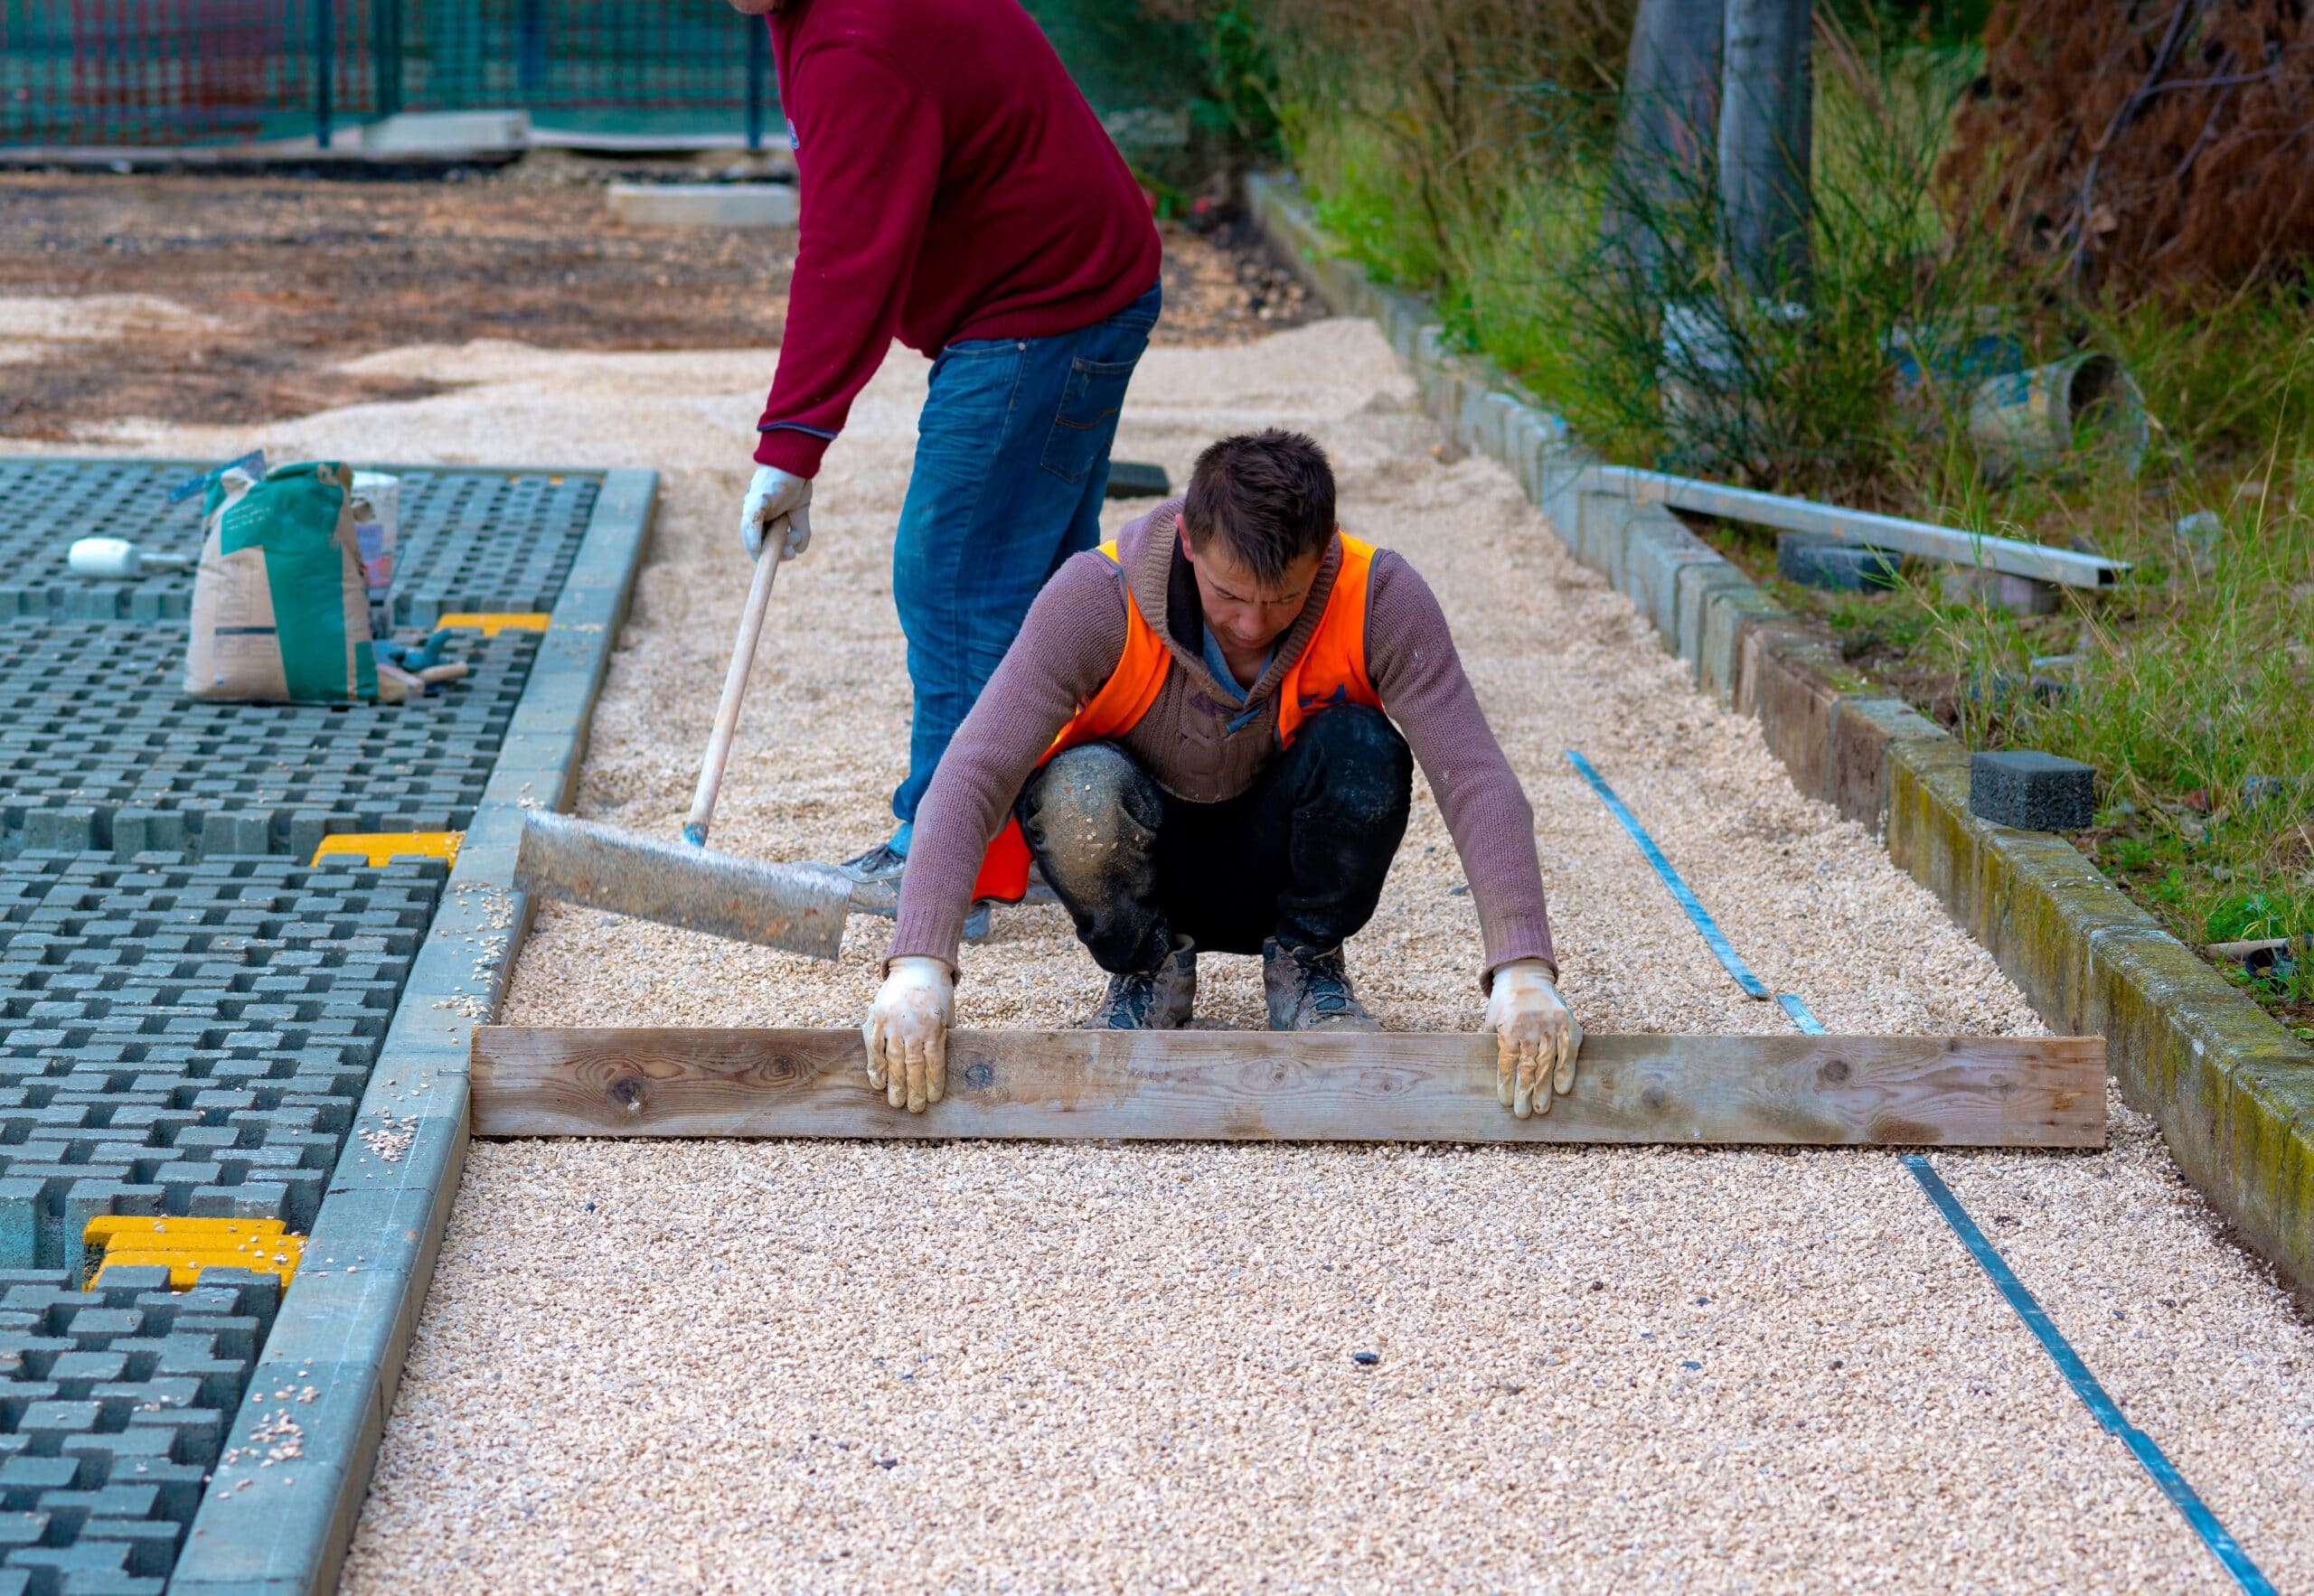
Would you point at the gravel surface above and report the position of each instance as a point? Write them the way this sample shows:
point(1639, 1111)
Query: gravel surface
point(724, 1365)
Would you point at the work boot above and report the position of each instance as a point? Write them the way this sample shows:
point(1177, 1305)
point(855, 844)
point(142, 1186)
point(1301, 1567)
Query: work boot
point(874, 878)
point(1309, 990)
point(1159, 999)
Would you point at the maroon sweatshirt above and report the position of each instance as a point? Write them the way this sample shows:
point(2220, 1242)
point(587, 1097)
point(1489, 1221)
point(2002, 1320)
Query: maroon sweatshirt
point(954, 185)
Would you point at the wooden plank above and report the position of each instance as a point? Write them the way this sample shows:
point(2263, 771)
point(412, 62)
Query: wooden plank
point(1264, 1086)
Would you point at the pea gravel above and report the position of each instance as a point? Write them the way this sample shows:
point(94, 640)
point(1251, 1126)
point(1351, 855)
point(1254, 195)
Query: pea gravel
point(761, 1367)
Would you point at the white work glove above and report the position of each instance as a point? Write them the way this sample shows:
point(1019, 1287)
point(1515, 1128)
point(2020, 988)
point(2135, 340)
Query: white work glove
point(772, 497)
point(1535, 1037)
point(908, 1032)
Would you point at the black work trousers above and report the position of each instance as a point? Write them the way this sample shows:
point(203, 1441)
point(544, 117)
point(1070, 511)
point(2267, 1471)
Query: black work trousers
point(1300, 856)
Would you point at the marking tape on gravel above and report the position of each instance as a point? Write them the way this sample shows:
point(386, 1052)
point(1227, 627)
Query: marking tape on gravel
point(2141, 1446)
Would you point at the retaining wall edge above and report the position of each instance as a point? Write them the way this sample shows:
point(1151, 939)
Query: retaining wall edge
point(2231, 1089)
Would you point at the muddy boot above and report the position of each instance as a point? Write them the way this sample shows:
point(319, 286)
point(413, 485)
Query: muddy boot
point(1159, 999)
point(1310, 991)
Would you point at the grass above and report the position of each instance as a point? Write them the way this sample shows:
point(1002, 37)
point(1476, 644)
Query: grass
point(2190, 687)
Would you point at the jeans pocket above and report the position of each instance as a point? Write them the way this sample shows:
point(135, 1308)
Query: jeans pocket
point(972, 389)
point(1088, 418)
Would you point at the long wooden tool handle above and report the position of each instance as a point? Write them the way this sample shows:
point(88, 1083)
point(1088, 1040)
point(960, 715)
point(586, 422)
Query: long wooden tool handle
point(735, 684)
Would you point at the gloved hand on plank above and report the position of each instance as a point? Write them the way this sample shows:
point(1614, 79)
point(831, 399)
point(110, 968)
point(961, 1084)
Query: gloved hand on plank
point(908, 1032)
point(1537, 1038)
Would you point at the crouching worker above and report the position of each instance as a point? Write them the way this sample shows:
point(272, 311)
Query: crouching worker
point(1204, 738)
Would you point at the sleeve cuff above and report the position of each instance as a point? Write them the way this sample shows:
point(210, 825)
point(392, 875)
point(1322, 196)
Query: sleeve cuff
point(785, 448)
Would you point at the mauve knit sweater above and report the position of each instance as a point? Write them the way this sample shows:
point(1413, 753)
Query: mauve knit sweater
point(1070, 645)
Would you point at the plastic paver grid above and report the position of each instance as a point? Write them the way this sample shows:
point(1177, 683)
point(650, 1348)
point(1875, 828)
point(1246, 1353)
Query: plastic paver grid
point(100, 750)
point(470, 539)
point(190, 1009)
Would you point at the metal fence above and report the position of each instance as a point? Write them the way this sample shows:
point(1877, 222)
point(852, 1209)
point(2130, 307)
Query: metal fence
point(180, 71)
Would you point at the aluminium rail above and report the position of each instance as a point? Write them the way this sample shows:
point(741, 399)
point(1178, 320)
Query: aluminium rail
point(2013, 557)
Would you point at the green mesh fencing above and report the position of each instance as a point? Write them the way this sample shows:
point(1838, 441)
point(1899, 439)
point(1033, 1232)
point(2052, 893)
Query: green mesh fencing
point(145, 72)
point(177, 72)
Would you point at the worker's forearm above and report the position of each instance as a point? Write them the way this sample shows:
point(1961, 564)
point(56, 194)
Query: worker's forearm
point(1068, 646)
point(1414, 667)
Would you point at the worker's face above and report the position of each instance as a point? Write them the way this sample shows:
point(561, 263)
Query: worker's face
point(1246, 612)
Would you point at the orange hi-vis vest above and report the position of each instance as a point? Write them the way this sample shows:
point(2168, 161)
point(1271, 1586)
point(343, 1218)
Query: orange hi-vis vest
point(1330, 670)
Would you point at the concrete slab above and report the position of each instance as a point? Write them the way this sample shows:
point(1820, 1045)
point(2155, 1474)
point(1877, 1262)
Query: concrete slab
point(704, 204)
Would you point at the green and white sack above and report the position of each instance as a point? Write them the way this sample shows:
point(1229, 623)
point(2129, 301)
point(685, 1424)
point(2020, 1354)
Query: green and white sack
point(280, 611)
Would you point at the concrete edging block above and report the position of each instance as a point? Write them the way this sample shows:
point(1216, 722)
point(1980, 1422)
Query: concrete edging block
point(1728, 614)
point(703, 204)
point(355, 1305)
point(1657, 544)
point(2233, 1092)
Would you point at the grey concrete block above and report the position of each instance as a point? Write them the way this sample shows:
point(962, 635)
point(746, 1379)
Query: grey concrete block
point(2032, 791)
point(1727, 612)
point(1699, 584)
point(1814, 560)
point(2019, 595)
point(704, 204)
point(1600, 531)
point(1658, 545)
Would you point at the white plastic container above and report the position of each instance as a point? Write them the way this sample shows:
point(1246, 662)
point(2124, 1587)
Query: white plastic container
point(377, 523)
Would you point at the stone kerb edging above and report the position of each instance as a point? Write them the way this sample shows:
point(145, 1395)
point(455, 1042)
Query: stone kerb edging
point(277, 1519)
point(2233, 1092)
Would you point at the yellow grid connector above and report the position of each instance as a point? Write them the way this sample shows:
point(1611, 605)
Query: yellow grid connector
point(379, 846)
point(186, 1246)
point(490, 626)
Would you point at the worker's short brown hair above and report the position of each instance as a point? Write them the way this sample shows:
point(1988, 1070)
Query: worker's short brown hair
point(1268, 495)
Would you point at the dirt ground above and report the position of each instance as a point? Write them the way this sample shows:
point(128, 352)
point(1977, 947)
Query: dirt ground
point(283, 279)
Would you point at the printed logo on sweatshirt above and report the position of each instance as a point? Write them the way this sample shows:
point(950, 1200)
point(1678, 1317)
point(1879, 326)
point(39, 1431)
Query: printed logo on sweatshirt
point(1333, 701)
point(794, 140)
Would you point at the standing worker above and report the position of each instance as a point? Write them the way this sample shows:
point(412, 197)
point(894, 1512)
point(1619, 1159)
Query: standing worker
point(958, 191)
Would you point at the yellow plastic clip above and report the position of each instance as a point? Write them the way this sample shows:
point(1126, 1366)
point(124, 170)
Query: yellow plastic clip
point(277, 1255)
point(490, 626)
point(186, 1246)
point(379, 846)
point(105, 1229)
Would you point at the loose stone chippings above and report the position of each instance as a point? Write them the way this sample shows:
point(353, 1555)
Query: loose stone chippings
point(1110, 1390)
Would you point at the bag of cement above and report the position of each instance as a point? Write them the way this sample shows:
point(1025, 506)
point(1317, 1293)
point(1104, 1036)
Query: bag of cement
point(280, 611)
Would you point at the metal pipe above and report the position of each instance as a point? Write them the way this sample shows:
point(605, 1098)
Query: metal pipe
point(2065, 568)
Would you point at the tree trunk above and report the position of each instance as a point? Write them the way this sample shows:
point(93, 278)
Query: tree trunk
point(1662, 170)
point(1765, 145)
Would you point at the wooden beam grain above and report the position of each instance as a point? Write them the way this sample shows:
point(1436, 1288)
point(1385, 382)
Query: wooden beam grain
point(1264, 1086)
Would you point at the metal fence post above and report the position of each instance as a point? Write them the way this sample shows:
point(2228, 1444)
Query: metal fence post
point(529, 45)
point(758, 58)
point(324, 50)
point(385, 54)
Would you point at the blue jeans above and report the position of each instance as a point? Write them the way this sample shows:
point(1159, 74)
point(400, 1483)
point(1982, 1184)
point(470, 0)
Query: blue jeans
point(1011, 463)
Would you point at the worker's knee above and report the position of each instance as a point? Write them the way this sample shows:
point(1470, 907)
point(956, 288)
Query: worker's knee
point(1090, 815)
point(1357, 767)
